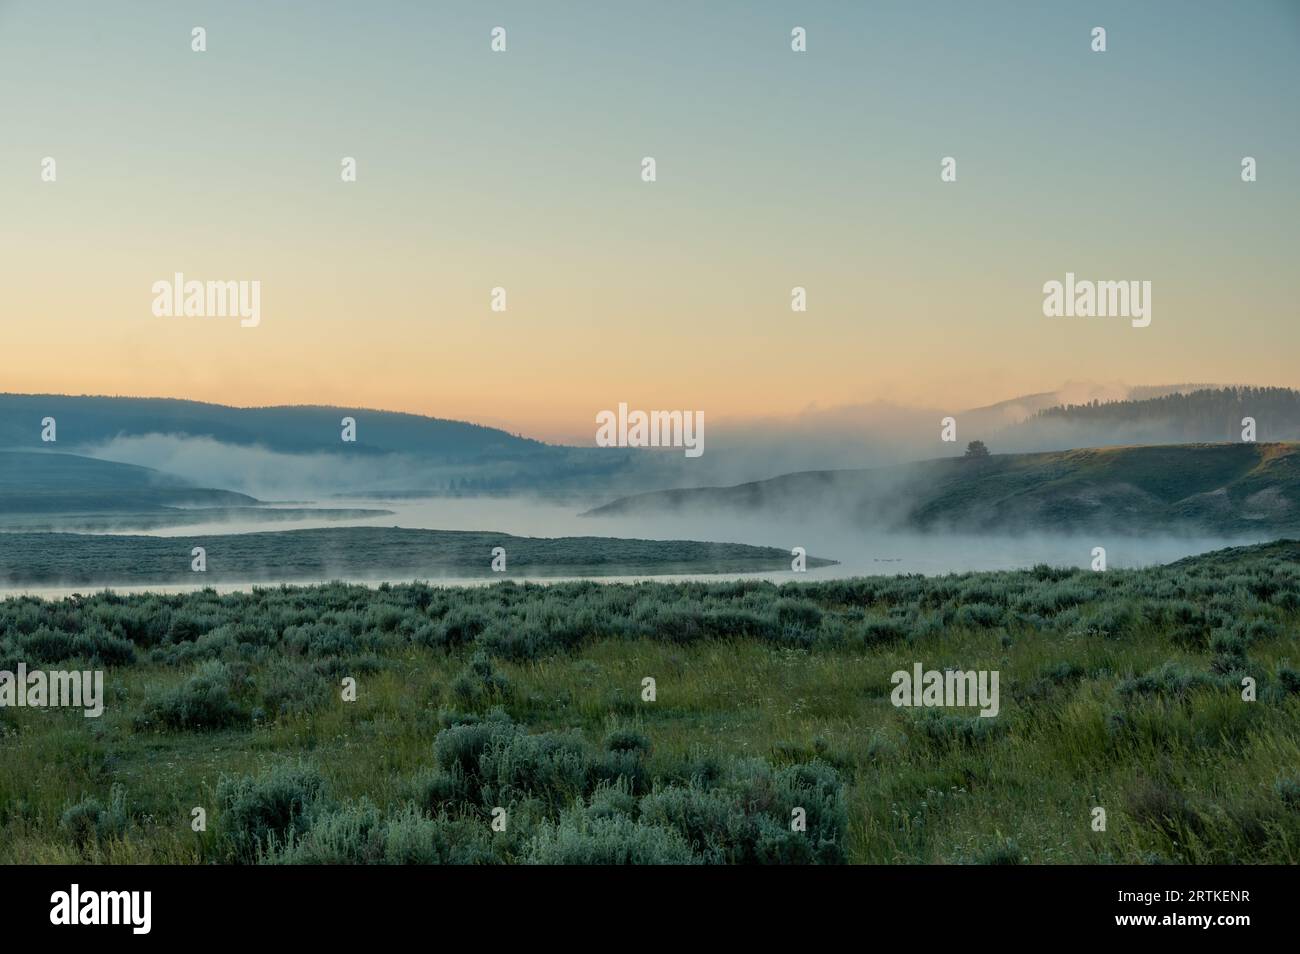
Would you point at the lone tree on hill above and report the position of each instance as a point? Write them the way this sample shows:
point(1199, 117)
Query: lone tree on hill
point(976, 449)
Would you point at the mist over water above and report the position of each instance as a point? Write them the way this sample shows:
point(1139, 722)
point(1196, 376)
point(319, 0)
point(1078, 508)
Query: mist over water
point(859, 552)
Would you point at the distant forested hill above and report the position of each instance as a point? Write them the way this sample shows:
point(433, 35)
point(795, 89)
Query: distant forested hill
point(86, 420)
point(1211, 414)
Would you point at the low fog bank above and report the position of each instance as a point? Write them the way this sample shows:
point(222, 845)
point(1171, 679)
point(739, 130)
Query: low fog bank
point(276, 476)
point(731, 457)
point(859, 552)
point(851, 438)
point(881, 433)
point(261, 472)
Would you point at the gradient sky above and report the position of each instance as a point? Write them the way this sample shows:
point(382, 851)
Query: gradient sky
point(522, 170)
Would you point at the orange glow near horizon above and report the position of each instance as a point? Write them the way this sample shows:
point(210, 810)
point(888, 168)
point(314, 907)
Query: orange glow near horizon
point(475, 172)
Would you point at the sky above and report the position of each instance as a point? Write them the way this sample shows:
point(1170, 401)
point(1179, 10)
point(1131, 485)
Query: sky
point(522, 170)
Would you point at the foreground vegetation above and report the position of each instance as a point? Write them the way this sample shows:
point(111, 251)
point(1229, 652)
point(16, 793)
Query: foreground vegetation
point(1119, 690)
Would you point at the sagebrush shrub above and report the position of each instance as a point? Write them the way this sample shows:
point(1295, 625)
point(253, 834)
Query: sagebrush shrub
point(577, 839)
point(202, 702)
point(289, 688)
point(89, 820)
point(257, 814)
point(480, 683)
point(980, 615)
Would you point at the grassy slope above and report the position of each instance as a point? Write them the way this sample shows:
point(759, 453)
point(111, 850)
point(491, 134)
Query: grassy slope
point(1119, 690)
point(358, 553)
point(45, 482)
point(1206, 488)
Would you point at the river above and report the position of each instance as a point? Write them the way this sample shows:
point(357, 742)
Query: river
point(859, 552)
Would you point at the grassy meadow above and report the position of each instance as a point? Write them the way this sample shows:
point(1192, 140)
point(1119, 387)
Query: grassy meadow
point(1120, 690)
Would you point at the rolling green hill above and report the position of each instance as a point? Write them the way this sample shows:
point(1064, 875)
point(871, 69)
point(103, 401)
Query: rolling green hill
point(1193, 488)
point(1236, 559)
